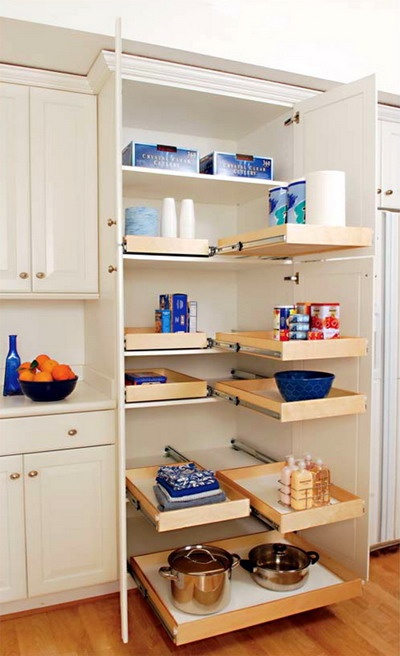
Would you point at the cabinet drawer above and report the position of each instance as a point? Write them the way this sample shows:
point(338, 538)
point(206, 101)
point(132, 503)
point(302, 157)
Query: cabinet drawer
point(250, 603)
point(53, 432)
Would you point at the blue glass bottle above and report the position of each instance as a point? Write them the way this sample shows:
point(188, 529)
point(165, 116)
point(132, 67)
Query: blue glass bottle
point(13, 361)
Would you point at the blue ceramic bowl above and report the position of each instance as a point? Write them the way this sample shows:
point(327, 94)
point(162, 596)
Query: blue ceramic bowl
point(52, 391)
point(303, 385)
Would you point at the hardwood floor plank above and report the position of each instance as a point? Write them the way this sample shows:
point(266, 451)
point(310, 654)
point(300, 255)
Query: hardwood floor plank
point(9, 640)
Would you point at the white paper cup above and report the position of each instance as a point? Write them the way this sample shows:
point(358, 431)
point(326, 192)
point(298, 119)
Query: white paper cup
point(169, 227)
point(187, 221)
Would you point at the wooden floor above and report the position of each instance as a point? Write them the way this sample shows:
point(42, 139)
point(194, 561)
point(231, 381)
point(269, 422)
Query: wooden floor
point(366, 626)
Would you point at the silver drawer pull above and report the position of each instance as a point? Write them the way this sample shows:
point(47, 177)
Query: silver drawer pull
point(32, 473)
point(72, 432)
point(15, 476)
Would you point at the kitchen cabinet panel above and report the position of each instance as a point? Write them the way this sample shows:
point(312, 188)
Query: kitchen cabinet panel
point(12, 530)
point(389, 182)
point(15, 225)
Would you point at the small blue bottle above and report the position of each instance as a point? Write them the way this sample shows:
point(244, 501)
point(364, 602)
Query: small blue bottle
point(13, 361)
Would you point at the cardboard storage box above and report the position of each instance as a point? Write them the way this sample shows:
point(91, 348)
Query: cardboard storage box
point(158, 156)
point(237, 165)
point(178, 386)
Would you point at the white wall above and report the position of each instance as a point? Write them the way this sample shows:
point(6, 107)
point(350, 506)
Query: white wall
point(339, 40)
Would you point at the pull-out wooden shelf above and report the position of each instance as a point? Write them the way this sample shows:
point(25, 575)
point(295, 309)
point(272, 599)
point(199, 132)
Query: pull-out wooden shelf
point(178, 386)
point(165, 246)
point(260, 483)
point(250, 603)
point(263, 395)
point(291, 240)
point(145, 339)
point(262, 344)
point(140, 484)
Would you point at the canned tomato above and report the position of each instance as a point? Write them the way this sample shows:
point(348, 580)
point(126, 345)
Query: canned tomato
point(303, 308)
point(281, 335)
point(325, 319)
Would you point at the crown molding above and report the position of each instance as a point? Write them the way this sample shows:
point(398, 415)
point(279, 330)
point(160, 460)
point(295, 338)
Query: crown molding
point(143, 69)
point(35, 77)
point(387, 113)
point(100, 71)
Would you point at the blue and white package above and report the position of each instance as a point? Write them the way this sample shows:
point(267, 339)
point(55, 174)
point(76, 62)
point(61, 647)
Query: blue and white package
point(237, 165)
point(278, 204)
point(158, 156)
point(297, 201)
point(165, 321)
point(141, 220)
point(179, 313)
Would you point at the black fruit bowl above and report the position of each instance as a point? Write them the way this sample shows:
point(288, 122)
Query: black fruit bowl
point(52, 391)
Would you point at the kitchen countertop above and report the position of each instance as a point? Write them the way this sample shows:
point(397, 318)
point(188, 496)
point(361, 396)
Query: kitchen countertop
point(84, 398)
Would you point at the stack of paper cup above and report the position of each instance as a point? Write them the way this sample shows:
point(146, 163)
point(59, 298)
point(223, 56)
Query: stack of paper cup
point(326, 198)
point(187, 219)
point(169, 226)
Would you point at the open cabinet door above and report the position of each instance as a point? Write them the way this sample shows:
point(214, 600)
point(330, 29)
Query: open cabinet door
point(336, 130)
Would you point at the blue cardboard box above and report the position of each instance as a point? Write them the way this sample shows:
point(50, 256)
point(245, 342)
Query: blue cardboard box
point(237, 165)
point(158, 156)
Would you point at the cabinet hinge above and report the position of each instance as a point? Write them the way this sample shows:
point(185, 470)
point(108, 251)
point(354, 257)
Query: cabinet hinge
point(295, 278)
point(293, 119)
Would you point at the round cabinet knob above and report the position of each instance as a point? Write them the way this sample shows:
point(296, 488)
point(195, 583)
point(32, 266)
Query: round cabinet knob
point(379, 191)
point(24, 275)
point(388, 192)
point(33, 473)
point(111, 269)
point(40, 274)
point(110, 222)
point(72, 432)
point(14, 476)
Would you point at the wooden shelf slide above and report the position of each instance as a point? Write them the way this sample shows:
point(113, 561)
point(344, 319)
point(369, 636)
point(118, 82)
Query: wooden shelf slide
point(250, 604)
point(260, 483)
point(178, 386)
point(145, 339)
point(263, 395)
point(291, 240)
point(261, 343)
point(165, 245)
point(140, 483)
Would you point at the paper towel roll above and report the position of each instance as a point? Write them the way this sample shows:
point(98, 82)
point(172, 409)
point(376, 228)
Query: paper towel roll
point(326, 198)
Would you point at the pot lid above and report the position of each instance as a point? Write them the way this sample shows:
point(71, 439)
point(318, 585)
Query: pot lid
point(279, 557)
point(200, 560)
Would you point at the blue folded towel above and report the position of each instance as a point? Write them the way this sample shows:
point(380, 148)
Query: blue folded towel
point(184, 491)
point(185, 478)
point(165, 505)
point(192, 494)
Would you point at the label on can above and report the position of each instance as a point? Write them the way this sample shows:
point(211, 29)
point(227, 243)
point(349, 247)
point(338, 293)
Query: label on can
point(303, 308)
point(296, 212)
point(280, 316)
point(281, 335)
point(278, 203)
point(325, 319)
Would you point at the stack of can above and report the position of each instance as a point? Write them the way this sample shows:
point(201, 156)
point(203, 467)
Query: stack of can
point(306, 321)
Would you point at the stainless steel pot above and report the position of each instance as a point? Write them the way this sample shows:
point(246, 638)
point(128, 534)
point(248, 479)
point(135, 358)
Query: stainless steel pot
point(200, 578)
point(279, 567)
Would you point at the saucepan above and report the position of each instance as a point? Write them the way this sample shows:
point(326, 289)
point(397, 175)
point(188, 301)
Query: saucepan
point(200, 578)
point(279, 567)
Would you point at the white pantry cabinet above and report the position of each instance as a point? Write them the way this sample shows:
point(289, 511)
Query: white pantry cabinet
point(60, 506)
point(48, 179)
point(251, 269)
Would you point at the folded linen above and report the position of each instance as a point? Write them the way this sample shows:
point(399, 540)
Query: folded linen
point(183, 497)
point(165, 505)
point(184, 491)
point(186, 477)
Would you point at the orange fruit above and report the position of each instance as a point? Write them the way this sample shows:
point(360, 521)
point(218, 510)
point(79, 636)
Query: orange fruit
point(62, 372)
point(40, 359)
point(48, 365)
point(24, 365)
point(26, 374)
point(43, 377)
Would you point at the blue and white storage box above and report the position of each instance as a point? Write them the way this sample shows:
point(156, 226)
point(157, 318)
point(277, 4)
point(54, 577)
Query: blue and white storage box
point(237, 165)
point(158, 156)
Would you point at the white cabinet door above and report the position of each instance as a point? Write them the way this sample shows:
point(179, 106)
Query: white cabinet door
point(15, 230)
point(390, 171)
point(12, 531)
point(336, 131)
point(70, 519)
point(63, 191)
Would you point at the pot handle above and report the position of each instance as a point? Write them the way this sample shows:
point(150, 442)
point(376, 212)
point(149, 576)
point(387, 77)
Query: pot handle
point(313, 556)
point(247, 565)
point(236, 560)
point(166, 573)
